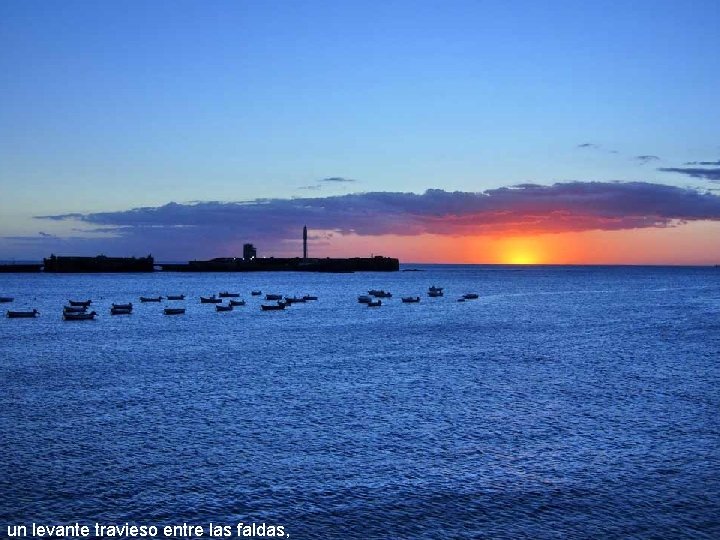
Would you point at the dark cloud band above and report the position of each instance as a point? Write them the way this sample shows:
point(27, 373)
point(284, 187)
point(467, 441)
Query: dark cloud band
point(712, 174)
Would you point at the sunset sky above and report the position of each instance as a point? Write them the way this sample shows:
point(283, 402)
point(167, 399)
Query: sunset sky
point(450, 131)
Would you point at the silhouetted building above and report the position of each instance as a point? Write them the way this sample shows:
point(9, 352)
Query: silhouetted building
point(101, 263)
point(249, 252)
point(305, 242)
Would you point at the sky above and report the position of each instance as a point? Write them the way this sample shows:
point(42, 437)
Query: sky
point(518, 132)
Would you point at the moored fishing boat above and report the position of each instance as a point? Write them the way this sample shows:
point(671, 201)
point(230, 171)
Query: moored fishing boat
point(411, 299)
point(471, 296)
point(273, 297)
point(123, 306)
point(74, 309)
point(256, 293)
point(23, 314)
point(237, 302)
point(176, 297)
point(120, 311)
point(229, 307)
point(80, 303)
point(364, 299)
point(435, 292)
point(210, 300)
point(273, 307)
point(379, 293)
point(309, 297)
point(294, 300)
point(228, 295)
point(174, 311)
point(79, 316)
point(151, 299)
point(375, 303)
point(6, 299)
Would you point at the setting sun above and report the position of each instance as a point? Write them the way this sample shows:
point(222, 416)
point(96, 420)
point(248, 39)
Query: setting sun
point(520, 251)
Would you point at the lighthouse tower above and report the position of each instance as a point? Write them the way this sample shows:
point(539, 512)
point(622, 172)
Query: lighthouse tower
point(305, 242)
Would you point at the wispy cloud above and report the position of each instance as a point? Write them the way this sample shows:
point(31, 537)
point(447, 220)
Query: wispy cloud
point(595, 146)
point(703, 163)
point(338, 179)
point(215, 228)
point(646, 158)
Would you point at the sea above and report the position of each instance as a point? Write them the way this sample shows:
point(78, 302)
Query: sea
point(565, 402)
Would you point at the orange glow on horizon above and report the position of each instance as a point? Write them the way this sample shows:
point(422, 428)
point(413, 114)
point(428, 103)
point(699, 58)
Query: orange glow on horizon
point(690, 244)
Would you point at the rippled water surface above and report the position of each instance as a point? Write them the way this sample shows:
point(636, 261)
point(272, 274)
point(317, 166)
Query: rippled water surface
point(564, 403)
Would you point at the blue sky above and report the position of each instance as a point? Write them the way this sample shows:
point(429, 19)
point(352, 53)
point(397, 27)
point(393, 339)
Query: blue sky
point(108, 106)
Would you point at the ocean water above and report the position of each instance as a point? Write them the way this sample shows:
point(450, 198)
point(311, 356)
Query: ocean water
point(566, 402)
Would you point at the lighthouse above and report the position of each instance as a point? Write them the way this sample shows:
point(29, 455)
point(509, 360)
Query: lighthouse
point(305, 242)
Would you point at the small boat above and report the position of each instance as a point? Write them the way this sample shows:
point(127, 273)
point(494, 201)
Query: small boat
point(411, 299)
point(294, 300)
point(460, 299)
point(210, 300)
point(151, 298)
point(176, 297)
point(229, 295)
point(309, 297)
point(273, 297)
point(379, 293)
point(273, 307)
point(224, 308)
point(78, 303)
point(79, 316)
point(237, 302)
point(256, 293)
point(122, 306)
point(74, 309)
point(6, 299)
point(23, 314)
point(174, 311)
point(470, 296)
point(120, 311)
point(375, 303)
point(435, 292)
point(364, 299)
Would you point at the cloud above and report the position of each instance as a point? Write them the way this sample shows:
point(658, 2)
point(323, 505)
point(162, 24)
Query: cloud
point(712, 174)
point(704, 163)
point(338, 179)
point(594, 146)
point(219, 228)
point(646, 158)
point(311, 188)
